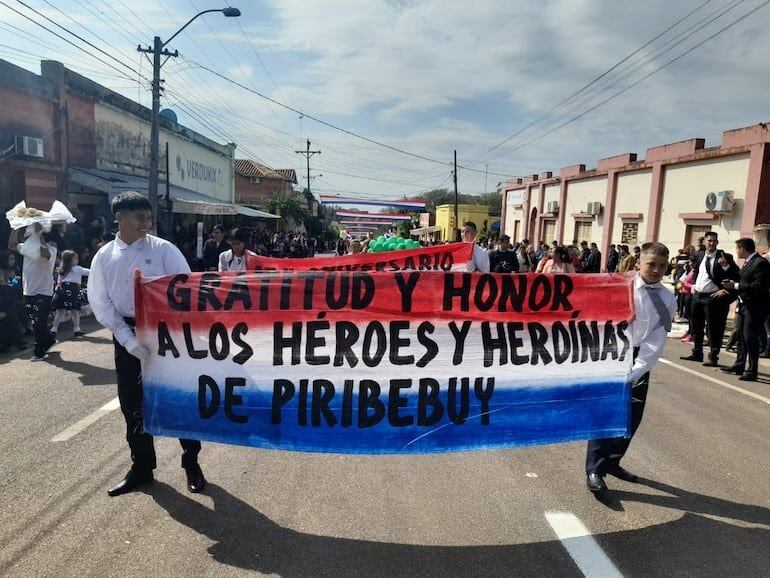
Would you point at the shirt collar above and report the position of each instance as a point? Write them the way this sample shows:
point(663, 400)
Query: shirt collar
point(639, 282)
point(750, 257)
point(122, 245)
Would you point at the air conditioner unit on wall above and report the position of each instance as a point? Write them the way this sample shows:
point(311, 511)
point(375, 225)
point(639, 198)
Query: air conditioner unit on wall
point(29, 146)
point(552, 207)
point(720, 202)
point(254, 180)
point(594, 208)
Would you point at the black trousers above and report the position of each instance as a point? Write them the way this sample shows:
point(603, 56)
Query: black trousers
point(604, 454)
point(706, 310)
point(752, 333)
point(129, 371)
point(38, 307)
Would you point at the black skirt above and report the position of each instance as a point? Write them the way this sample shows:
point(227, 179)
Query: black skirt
point(68, 296)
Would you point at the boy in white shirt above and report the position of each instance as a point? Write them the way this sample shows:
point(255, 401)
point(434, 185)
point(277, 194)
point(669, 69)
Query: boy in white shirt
point(654, 306)
point(479, 258)
point(111, 296)
point(37, 285)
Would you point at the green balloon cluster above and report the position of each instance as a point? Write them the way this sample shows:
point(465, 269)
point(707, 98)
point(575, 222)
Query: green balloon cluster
point(382, 244)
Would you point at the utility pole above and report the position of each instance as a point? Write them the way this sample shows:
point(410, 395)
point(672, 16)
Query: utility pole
point(457, 224)
point(308, 153)
point(158, 49)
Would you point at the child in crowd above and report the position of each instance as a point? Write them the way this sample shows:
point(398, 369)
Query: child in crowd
point(654, 307)
point(67, 298)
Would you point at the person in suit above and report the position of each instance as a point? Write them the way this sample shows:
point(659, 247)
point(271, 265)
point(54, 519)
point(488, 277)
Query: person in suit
point(503, 260)
point(710, 301)
point(593, 263)
point(753, 291)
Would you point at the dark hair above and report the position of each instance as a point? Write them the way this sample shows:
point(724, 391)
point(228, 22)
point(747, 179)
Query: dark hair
point(4, 257)
point(218, 227)
point(130, 201)
point(240, 235)
point(711, 234)
point(504, 238)
point(470, 224)
point(747, 243)
point(67, 262)
point(657, 249)
point(593, 245)
point(562, 252)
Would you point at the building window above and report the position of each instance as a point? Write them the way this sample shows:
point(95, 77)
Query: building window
point(629, 234)
point(582, 231)
point(549, 231)
point(695, 232)
point(254, 180)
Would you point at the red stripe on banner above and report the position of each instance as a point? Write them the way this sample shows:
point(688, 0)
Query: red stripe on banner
point(440, 258)
point(261, 299)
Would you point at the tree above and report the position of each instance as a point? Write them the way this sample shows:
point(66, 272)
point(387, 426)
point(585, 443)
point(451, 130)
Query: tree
point(289, 208)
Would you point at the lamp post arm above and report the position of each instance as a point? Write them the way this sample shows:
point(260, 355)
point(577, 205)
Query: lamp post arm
point(189, 22)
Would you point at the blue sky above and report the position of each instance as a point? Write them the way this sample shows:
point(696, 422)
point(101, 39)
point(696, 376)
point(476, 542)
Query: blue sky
point(428, 77)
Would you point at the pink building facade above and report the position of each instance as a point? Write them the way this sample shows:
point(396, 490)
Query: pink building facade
point(674, 195)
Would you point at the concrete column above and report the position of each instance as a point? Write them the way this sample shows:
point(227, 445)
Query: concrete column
point(609, 214)
point(656, 201)
point(759, 174)
point(540, 211)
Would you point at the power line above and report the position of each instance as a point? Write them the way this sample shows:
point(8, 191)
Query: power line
point(67, 30)
point(584, 88)
point(340, 129)
point(645, 77)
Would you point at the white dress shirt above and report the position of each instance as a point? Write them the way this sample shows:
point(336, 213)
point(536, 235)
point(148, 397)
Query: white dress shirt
point(703, 283)
point(647, 331)
point(479, 261)
point(75, 275)
point(37, 274)
point(229, 262)
point(111, 282)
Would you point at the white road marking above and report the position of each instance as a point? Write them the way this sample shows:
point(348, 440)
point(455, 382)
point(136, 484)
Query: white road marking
point(75, 429)
point(581, 545)
point(716, 381)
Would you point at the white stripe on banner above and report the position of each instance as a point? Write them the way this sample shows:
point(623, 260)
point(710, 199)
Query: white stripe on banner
point(581, 545)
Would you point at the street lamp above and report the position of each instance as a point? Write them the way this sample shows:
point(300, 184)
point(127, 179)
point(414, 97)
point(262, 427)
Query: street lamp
point(158, 50)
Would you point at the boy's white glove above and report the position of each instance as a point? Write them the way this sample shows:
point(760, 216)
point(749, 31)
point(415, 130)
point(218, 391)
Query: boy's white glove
point(138, 350)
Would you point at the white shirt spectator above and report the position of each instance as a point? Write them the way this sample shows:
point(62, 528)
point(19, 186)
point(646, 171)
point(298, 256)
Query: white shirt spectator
point(37, 274)
point(479, 261)
point(229, 262)
point(75, 275)
point(647, 331)
point(111, 279)
point(703, 283)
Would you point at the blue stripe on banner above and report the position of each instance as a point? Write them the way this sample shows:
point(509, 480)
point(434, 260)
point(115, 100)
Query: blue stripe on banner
point(519, 416)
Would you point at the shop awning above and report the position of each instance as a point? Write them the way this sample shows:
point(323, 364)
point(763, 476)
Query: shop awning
point(256, 213)
point(110, 182)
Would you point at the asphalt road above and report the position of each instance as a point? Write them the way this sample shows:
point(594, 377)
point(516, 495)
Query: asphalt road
point(703, 509)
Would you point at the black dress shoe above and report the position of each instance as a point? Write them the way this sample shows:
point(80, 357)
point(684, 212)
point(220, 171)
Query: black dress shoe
point(732, 369)
point(691, 357)
point(596, 483)
point(195, 480)
point(134, 479)
point(711, 363)
point(623, 474)
point(748, 377)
